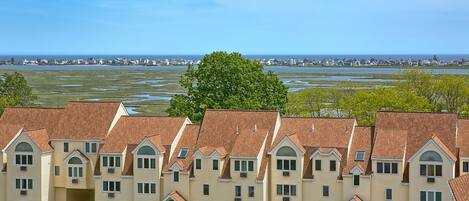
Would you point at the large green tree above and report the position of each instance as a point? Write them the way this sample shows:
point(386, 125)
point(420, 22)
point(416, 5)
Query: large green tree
point(14, 91)
point(228, 81)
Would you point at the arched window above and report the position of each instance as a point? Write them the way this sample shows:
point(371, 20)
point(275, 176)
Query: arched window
point(23, 147)
point(75, 160)
point(286, 151)
point(431, 156)
point(146, 150)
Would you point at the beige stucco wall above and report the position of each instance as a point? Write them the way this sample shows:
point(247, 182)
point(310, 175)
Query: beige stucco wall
point(380, 182)
point(312, 189)
point(126, 193)
point(462, 159)
point(205, 176)
point(147, 176)
point(419, 183)
point(2, 186)
point(363, 190)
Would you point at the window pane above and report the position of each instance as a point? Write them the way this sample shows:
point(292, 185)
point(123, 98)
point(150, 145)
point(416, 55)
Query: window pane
point(30, 159)
point(238, 191)
point(251, 191)
point(104, 161)
point(18, 159)
point(318, 165)
point(23, 184)
point(325, 191)
point(286, 190)
point(250, 166)
point(394, 168)
point(70, 172)
point(118, 161)
point(423, 170)
point(279, 164)
point(431, 196)
point(80, 172)
point(206, 189)
point(140, 188)
point(87, 147)
point(465, 166)
point(279, 189)
point(379, 167)
point(105, 186)
point(153, 188)
point(243, 166)
point(423, 196)
point(18, 183)
point(65, 146)
point(387, 168)
point(292, 164)
point(146, 163)
point(215, 164)
point(111, 161)
point(356, 180)
point(286, 164)
point(147, 188)
point(94, 147)
point(332, 165)
point(438, 170)
point(23, 159)
point(57, 170)
point(431, 170)
point(286, 151)
point(293, 190)
point(118, 186)
point(438, 196)
point(389, 194)
point(176, 176)
point(139, 163)
point(152, 163)
point(198, 164)
point(236, 166)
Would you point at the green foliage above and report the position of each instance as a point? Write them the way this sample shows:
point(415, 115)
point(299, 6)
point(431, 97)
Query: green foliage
point(227, 81)
point(14, 91)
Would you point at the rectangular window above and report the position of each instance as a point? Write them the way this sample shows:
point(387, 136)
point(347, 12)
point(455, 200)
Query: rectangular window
point(431, 170)
point(24, 184)
point(356, 180)
point(251, 191)
point(146, 188)
point(198, 164)
point(65, 147)
point(152, 163)
point(360, 156)
point(111, 186)
point(183, 153)
point(75, 172)
point(91, 147)
point(237, 191)
point(206, 189)
point(283, 164)
point(215, 164)
point(286, 190)
point(139, 163)
point(423, 170)
point(325, 191)
point(394, 168)
point(111, 161)
point(57, 170)
point(279, 164)
point(430, 196)
point(145, 163)
point(465, 167)
point(236, 165)
point(387, 168)
point(388, 194)
point(332, 165)
point(379, 167)
point(176, 176)
point(24, 159)
point(244, 166)
point(317, 165)
point(250, 166)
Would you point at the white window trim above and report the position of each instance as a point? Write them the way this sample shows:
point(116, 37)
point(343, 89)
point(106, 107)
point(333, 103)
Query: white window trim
point(143, 157)
point(180, 152)
point(290, 187)
point(240, 191)
point(385, 194)
point(113, 166)
point(78, 166)
point(426, 191)
point(108, 182)
point(328, 191)
point(90, 146)
point(149, 188)
point(241, 166)
point(21, 182)
point(356, 155)
point(286, 159)
point(24, 154)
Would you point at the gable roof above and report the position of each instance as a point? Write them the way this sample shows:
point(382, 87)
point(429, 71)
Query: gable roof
point(459, 186)
point(188, 140)
point(41, 139)
point(463, 138)
point(249, 143)
point(175, 196)
point(389, 143)
point(86, 120)
point(132, 130)
point(7, 133)
point(362, 141)
point(32, 118)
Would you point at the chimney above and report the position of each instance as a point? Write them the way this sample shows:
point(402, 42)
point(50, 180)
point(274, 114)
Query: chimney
point(312, 128)
point(255, 127)
point(237, 130)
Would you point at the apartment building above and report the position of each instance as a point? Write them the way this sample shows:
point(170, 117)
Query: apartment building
point(96, 151)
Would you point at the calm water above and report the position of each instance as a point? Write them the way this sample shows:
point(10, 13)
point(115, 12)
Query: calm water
point(277, 69)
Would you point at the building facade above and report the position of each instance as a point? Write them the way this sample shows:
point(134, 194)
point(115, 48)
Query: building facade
point(96, 151)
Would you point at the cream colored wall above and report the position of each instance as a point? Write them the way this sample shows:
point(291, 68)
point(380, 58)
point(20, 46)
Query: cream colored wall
point(205, 176)
point(277, 177)
point(147, 175)
point(380, 182)
point(250, 180)
point(363, 190)
point(418, 183)
point(59, 155)
point(461, 160)
point(33, 172)
point(60, 194)
point(325, 177)
point(182, 186)
point(126, 193)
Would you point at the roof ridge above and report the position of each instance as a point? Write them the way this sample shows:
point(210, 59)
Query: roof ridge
point(88, 101)
point(240, 110)
point(416, 112)
point(136, 116)
point(318, 118)
point(32, 107)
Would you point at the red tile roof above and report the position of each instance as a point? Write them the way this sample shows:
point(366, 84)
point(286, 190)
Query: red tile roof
point(362, 141)
point(132, 130)
point(176, 196)
point(249, 143)
point(41, 139)
point(389, 144)
point(32, 118)
point(459, 187)
point(463, 138)
point(188, 140)
point(86, 120)
point(7, 133)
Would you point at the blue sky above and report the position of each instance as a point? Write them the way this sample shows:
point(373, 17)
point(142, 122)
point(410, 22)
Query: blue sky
point(246, 26)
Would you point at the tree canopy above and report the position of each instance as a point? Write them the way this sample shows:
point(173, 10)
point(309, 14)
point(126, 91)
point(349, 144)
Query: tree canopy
point(14, 91)
point(227, 81)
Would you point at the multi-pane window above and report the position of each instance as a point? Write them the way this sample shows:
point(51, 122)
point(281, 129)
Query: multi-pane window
point(146, 188)
point(286, 190)
point(388, 194)
point(237, 191)
point(198, 164)
point(146, 163)
point(356, 180)
point(24, 154)
point(325, 191)
point(244, 165)
point(285, 164)
point(317, 165)
point(176, 176)
point(183, 153)
point(332, 165)
point(206, 189)
point(360, 156)
point(24, 184)
point(111, 186)
point(465, 167)
point(215, 164)
point(75, 172)
point(430, 196)
point(65, 147)
point(91, 147)
point(430, 170)
point(251, 191)
point(386, 168)
point(57, 170)
point(111, 161)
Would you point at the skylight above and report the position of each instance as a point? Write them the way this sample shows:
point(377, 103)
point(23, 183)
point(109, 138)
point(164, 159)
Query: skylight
point(360, 156)
point(183, 152)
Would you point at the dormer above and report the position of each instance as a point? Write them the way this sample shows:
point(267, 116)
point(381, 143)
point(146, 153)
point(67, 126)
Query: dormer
point(209, 159)
point(287, 157)
point(326, 161)
point(148, 155)
point(77, 165)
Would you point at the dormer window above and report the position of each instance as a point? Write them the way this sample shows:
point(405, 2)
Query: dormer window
point(431, 156)
point(75, 167)
point(284, 162)
point(91, 147)
point(360, 156)
point(183, 153)
point(24, 154)
point(146, 158)
point(431, 170)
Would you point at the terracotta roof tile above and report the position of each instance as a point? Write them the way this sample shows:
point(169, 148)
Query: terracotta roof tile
point(97, 116)
point(188, 140)
point(249, 143)
point(362, 141)
point(41, 139)
point(390, 143)
point(459, 186)
point(176, 196)
point(7, 133)
point(463, 138)
point(132, 129)
point(32, 118)
point(445, 149)
point(356, 198)
point(129, 160)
